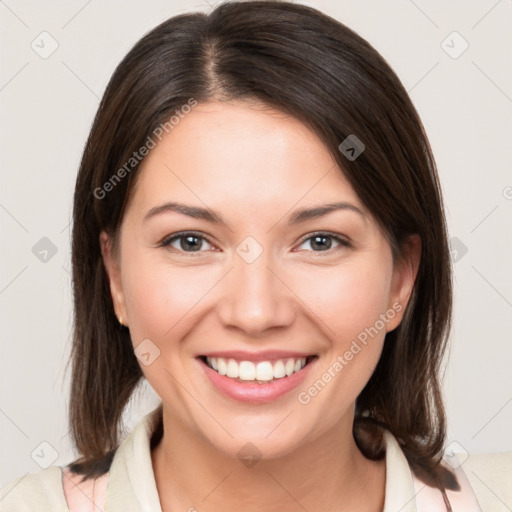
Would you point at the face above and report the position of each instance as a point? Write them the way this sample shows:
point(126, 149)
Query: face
point(250, 298)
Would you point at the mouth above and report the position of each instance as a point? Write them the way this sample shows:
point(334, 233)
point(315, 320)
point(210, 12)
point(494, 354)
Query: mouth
point(265, 371)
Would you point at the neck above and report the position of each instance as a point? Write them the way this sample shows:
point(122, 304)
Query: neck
point(327, 473)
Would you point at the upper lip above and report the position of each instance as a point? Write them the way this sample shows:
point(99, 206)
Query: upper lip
point(264, 355)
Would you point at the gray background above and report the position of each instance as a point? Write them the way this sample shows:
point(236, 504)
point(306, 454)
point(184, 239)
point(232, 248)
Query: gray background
point(47, 106)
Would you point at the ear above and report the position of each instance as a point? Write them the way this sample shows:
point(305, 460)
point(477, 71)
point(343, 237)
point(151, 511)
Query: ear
point(112, 268)
point(404, 276)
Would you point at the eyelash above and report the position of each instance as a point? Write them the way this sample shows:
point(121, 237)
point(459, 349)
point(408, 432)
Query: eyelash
point(343, 243)
point(168, 240)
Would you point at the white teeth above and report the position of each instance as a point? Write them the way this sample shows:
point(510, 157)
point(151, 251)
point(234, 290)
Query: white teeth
point(279, 370)
point(222, 366)
point(262, 371)
point(289, 367)
point(232, 370)
point(246, 370)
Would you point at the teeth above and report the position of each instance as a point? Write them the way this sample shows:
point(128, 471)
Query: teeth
point(279, 370)
point(264, 371)
point(232, 370)
point(222, 366)
point(289, 367)
point(246, 371)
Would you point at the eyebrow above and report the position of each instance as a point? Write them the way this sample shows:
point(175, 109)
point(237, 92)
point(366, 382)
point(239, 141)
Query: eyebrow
point(191, 211)
point(304, 214)
point(299, 216)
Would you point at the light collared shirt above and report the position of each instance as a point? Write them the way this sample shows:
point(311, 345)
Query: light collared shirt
point(129, 486)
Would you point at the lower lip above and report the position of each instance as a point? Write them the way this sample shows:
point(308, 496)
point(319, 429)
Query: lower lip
point(253, 392)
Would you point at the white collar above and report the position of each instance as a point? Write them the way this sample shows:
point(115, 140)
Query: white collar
point(404, 492)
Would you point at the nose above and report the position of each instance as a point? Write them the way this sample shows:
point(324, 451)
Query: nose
point(254, 298)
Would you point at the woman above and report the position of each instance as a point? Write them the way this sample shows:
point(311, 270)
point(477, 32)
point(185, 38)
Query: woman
point(258, 232)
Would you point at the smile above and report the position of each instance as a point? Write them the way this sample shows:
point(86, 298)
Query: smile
point(264, 379)
point(263, 371)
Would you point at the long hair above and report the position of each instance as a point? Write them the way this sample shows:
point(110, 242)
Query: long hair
point(306, 64)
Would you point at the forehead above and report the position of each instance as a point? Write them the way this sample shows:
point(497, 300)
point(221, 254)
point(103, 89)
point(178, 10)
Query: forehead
point(240, 154)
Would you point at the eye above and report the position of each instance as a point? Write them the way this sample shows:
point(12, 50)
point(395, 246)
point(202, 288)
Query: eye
point(323, 242)
point(185, 242)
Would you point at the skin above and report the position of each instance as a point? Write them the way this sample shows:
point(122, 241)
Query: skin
point(255, 167)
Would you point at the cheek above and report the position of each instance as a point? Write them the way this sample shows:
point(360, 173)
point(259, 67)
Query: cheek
point(161, 299)
point(347, 298)
point(349, 301)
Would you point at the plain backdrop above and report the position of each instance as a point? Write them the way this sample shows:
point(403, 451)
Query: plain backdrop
point(47, 103)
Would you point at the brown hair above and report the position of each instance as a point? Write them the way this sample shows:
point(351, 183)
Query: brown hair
point(304, 63)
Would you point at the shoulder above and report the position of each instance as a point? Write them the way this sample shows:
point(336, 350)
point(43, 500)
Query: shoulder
point(80, 494)
point(490, 475)
point(35, 491)
point(482, 483)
